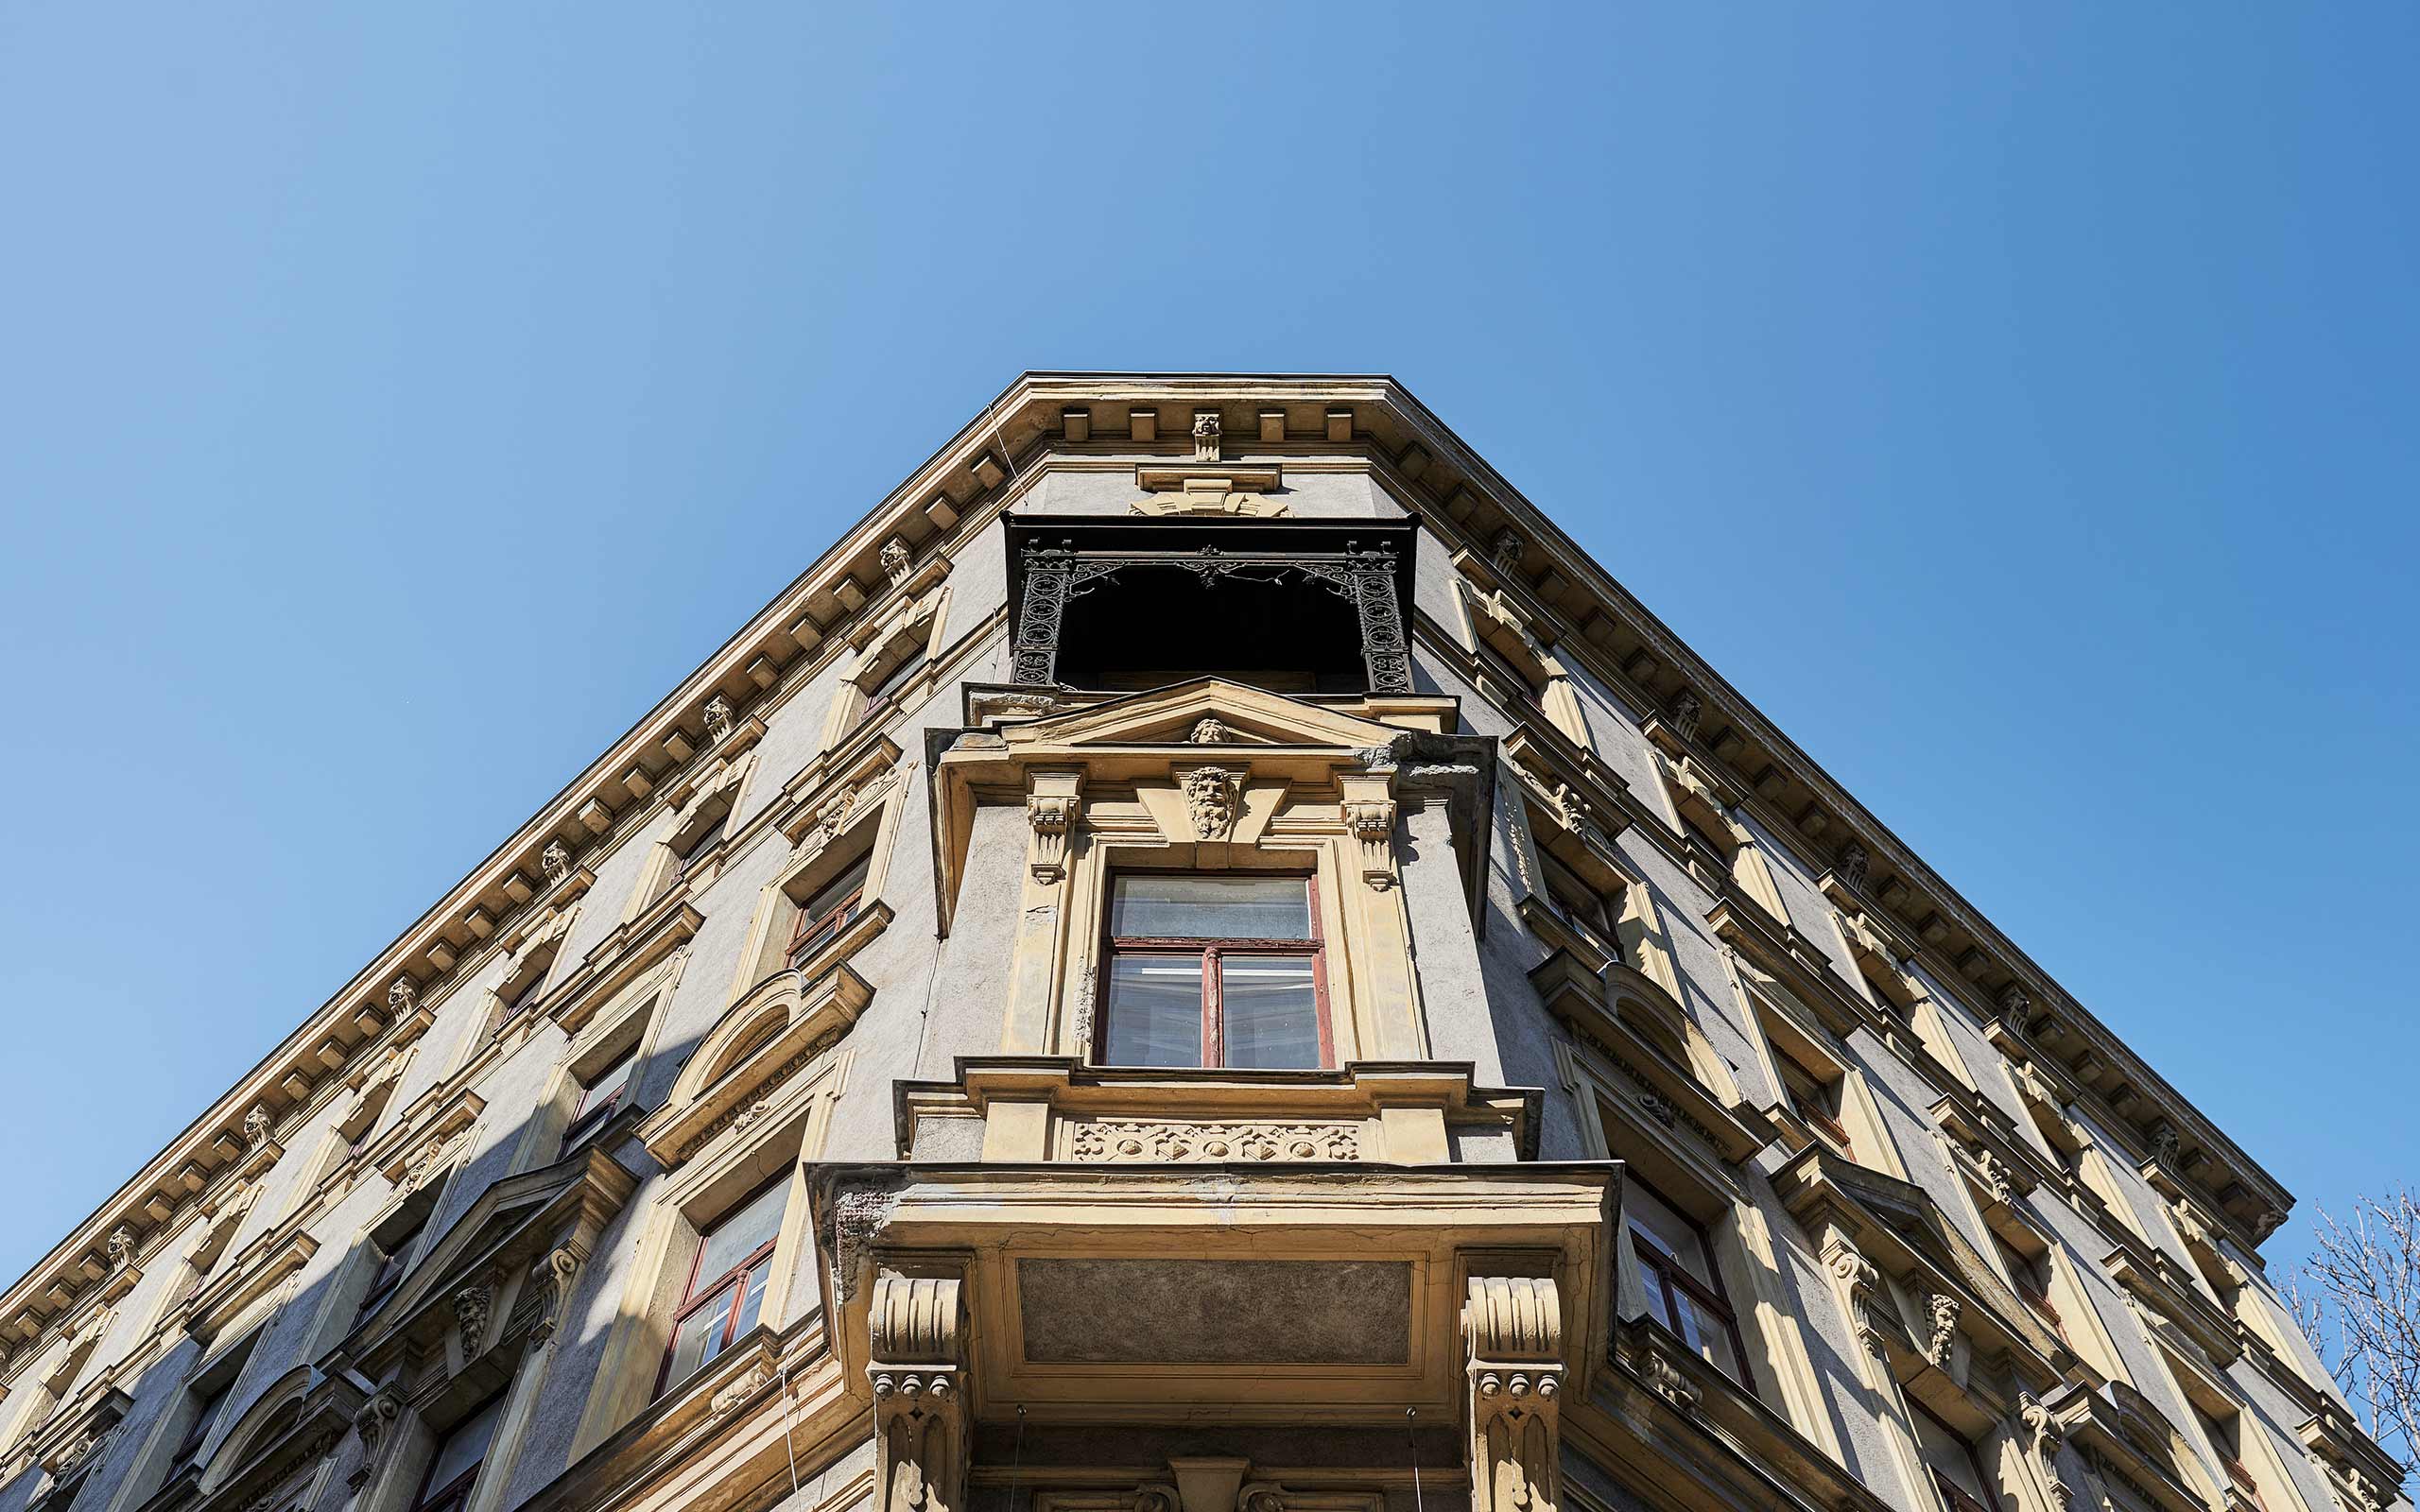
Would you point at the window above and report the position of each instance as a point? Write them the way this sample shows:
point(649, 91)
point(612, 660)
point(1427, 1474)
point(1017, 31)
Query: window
point(1957, 1472)
point(726, 1283)
point(875, 701)
point(1676, 1270)
point(455, 1467)
point(1214, 970)
point(599, 1099)
point(2032, 1276)
point(394, 1258)
point(1815, 1103)
point(519, 992)
point(211, 1401)
point(1580, 903)
point(698, 845)
point(1512, 676)
point(2226, 1438)
point(831, 909)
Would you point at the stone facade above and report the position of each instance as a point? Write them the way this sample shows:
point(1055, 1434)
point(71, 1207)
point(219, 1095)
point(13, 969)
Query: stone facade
point(1654, 1131)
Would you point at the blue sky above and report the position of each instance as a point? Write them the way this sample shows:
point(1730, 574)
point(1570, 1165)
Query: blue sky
point(2016, 403)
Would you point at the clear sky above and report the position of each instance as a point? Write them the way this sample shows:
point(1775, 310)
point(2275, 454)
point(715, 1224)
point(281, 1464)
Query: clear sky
point(2016, 403)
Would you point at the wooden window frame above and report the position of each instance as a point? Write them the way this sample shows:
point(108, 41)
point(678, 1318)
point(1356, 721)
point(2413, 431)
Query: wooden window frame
point(1823, 1112)
point(875, 701)
point(456, 1493)
point(1669, 1275)
point(810, 933)
point(693, 1300)
point(1208, 950)
point(586, 1119)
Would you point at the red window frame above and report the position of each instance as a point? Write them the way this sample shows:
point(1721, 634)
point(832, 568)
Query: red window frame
point(814, 930)
point(1812, 1108)
point(584, 1119)
point(456, 1492)
point(873, 702)
point(1671, 1276)
point(1207, 950)
point(741, 1272)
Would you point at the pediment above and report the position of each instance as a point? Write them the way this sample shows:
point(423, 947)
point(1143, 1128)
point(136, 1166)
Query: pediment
point(512, 1222)
point(1174, 715)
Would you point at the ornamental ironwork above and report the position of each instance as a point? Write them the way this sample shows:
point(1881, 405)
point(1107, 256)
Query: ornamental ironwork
point(1057, 575)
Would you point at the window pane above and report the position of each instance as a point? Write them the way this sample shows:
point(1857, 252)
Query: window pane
point(607, 1086)
point(1272, 1011)
point(752, 1299)
point(1154, 1011)
point(837, 891)
point(739, 1235)
point(1665, 1229)
point(464, 1446)
point(1211, 907)
point(1706, 1331)
point(891, 682)
point(700, 1336)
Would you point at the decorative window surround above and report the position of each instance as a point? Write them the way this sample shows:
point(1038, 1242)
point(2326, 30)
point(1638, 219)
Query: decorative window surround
point(1056, 1107)
point(1617, 1020)
point(614, 962)
point(835, 811)
point(264, 1264)
point(2357, 1471)
point(1959, 1318)
point(917, 620)
point(281, 1451)
point(2170, 1304)
point(1207, 775)
point(721, 1167)
point(2121, 1436)
point(1787, 1031)
point(492, 1278)
point(1659, 1374)
point(742, 1071)
point(1511, 628)
point(426, 1137)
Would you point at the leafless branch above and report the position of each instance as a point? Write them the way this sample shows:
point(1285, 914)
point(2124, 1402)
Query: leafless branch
point(2358, 1301)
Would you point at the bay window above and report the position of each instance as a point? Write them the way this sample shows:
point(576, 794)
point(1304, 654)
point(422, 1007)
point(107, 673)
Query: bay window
point(1214, 970)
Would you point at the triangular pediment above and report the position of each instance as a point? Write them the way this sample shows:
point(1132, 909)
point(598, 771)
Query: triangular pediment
point(1204, 712)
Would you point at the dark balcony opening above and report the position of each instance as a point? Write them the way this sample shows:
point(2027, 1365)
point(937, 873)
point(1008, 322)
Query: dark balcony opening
point(1154, 626)
point(1295, 607)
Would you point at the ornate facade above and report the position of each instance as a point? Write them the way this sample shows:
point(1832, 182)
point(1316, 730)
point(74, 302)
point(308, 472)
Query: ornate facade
point(1205, 958)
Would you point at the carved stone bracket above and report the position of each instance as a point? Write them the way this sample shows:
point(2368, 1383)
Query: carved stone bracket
point(1372, 822)
point(1514, 1328)
point(1053, 800)
point(916, 1344)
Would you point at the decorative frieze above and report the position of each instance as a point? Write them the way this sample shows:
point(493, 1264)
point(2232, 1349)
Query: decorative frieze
point(1116, 1141)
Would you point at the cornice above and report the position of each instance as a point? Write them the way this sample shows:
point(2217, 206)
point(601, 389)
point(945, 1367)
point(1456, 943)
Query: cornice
point(934, 510)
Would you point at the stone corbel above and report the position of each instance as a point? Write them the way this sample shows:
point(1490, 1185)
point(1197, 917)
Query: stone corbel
point(550, 1284)
point(916, 1356)
point(1864, 1295)
point(2043, 1438)
point(1514, 1328)
point(1368, 815)
point(1054, 798)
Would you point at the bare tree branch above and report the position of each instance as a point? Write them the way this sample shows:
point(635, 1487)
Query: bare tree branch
point(2356, 1299)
